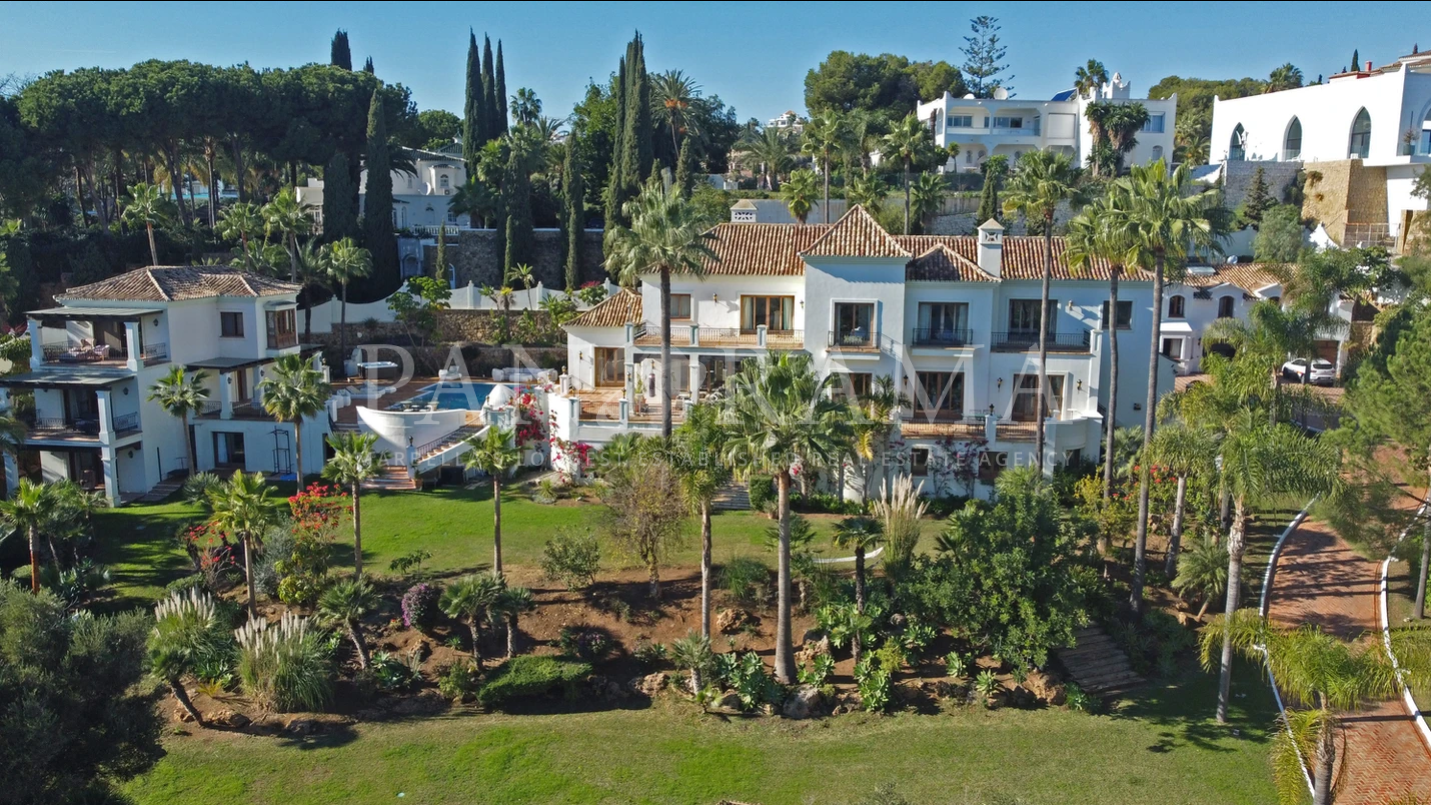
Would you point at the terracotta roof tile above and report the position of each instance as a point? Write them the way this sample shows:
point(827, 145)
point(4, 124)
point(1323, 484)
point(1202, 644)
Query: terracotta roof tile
point(175, 283)
point(942, 264)
point(857, 234)
point(762, 250)
point(617, 310)
point(1022, 258)
point(1250, 277)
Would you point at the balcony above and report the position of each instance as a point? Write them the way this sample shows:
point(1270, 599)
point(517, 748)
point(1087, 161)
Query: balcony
point(942, 337)
point(154, 353)
point(942, 425)
point(79, 428)
point(686, 335)
point(1027, 341)
point(126, 424)
point(853, 341)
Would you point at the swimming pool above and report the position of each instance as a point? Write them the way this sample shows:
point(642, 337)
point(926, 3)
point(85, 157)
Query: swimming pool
point(449, 396)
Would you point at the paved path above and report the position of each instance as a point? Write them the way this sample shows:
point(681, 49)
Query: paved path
point(1319, 579)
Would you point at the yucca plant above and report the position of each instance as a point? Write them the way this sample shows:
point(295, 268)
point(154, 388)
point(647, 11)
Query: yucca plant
point(345, 603)
point(284, 666)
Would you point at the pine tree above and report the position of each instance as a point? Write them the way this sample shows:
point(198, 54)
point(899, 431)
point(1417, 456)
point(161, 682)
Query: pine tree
point(378, 233)
point(368, 67)
point(339, 54)
point(1259, 200)
point(686, 169)
point(984, 58)
point(501, 91)
point(574, 220)
point(612, 195)
point(490, 115)
point(521, 239)
point(989, 199)
point(473, 133)
point(340, 217)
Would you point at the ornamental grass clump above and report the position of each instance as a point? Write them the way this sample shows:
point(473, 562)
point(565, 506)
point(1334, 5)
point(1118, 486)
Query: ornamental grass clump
point(284, 666)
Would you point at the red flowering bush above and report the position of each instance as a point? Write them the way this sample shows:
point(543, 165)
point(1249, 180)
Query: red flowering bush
point(318, 513)
point(214, 553)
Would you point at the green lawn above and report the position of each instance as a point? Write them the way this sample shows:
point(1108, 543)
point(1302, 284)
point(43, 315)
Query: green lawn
point(454, 524)
point(1158, 747)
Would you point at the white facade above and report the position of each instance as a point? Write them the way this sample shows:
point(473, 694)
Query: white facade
point(1381, 116)
point(419, 199)
point(96, 357)
point(1014, 126)
point(952, 331)
point(1208, 294)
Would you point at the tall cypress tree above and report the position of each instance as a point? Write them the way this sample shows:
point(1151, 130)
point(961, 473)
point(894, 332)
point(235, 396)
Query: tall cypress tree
point(473, 133)
point(378, 233)
point(989, 199)
point(340, 217)
point(501, 91)
point(613, 195)
point(686, 169)
point(439, 267)
point(489, 93)
point(339, 53)
point(368, 67)
point(574, 220)
point(639, 146)
point(517, 190)
point(1356, 61)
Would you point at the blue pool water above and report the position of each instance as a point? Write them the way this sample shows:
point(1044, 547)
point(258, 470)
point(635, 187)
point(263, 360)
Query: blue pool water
point(449, 396)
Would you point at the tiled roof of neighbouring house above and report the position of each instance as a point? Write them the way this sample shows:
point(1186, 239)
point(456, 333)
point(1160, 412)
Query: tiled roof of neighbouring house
point(1250, 277)
point(778, 250)
point(617, 310)
point(175, 283)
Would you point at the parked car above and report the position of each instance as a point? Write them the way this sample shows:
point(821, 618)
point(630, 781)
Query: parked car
point(1323, 373)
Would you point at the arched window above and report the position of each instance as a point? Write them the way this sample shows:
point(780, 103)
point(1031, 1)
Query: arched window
point(1236, 149)
point(1176, 307)
point(1292, 144)
point(1224, 307)
point(1360, 143)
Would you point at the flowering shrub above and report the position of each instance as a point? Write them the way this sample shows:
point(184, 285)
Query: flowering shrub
point(419, 606)
point(317, 513)
point(214, 553)
point(585, 644)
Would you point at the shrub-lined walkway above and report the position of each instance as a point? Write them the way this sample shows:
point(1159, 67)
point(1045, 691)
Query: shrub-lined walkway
point(1319, 579)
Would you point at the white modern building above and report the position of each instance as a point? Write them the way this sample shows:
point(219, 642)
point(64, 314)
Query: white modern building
point(789, 123)
point(420, 199)
point(1370, 128)
point(1014, 126)
point(1206, 294)
point(953, 320)
point(96, 357)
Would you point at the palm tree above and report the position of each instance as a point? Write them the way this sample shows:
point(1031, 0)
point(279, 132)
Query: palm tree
point(910, 141)
point(242, 507)
point(293, 391)
point(1098, 115)
point(1186, 451)
point(1165, 223)
point(668, 234)
point(1288, 76)
point(1124, 122)
point(860, 534)
point(181, 394)
point(1271, 333)
point(769, 151)
point(475, 199)
point(693, 652)
point(493, 451)
point(672, 94)
point(927, 196)
point(1042, 181)
point(522, 273)
point(188, 633)
point(868, 192)
point(1096, 234)
point(354, 461)
point(31, 507)
point(696, 454)
point(863, 129)
point(526, 107)
point(781, 422)
point(242, 221)
point(511, 604)
point(315, 264)
point(873, 424)
point(346, 262)
point(147, 205)
point(470, 599)
point(1261, 462)
point(1089, 78)
point(286, 217)
point(799, 194)
point(345, 603)
point(1328, 676)
point(825, 135)
point(1202, 569)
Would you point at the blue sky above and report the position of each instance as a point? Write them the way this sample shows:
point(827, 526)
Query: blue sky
point(754, 55)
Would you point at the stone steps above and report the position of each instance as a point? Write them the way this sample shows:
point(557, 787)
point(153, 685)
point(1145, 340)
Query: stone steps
point(164, 489)
point(1097, 664)
point(392, 477)
point(733, 497)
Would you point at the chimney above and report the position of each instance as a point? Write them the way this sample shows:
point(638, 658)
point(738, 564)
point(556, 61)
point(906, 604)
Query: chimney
point(991, 247)
point(1368, 65)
